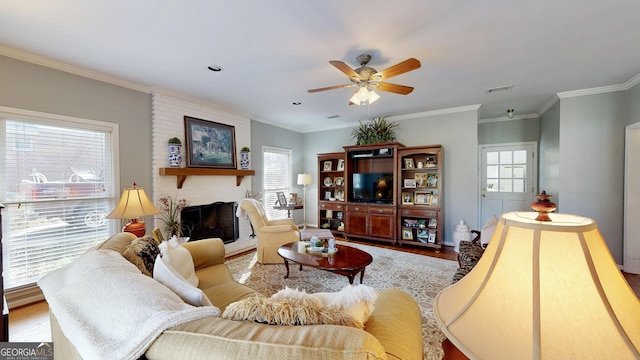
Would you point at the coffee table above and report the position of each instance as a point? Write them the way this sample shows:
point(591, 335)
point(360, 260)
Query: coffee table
point(348, 261)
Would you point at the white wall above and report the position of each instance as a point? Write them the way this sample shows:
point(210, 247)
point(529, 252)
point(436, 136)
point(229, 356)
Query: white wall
point(168, 121)
point(455, 129)
point(457, 132)
point(591, 162)
point(549, 159)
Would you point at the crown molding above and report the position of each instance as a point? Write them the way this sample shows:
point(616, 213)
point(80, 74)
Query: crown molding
point(454, 110)
point(506, 118)
point(591, 91)
point(72, 69)
point(549, 104)
point(632, 82)
point(401, 117)
point(298, 130)
point(601, 90)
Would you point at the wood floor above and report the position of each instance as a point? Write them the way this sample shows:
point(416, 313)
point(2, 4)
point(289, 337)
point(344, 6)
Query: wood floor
point(31, 323)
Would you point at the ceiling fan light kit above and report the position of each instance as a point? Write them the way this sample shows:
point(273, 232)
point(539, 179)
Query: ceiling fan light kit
point(363, 96)
point(368, 78)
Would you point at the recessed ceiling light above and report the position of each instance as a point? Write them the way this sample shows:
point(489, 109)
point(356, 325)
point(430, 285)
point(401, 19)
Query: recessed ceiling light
point(296, 103)
point(215, 68)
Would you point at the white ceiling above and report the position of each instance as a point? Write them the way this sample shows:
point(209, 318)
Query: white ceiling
point(273, 51)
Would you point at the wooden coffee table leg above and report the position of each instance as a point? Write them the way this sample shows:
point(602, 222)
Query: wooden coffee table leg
point(286, 265)
point(361, 275)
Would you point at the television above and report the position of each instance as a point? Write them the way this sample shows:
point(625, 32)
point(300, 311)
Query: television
point(372, 188)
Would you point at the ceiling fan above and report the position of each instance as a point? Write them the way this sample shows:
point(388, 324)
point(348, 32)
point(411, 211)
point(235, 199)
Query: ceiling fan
point(369, 79)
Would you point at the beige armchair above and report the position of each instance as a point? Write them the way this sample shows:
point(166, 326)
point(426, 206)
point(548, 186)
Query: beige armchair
point(271, 234)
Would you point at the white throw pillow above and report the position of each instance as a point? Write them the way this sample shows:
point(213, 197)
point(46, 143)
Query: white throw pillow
point(176, 255)
point(169, 277)
point(487, 230)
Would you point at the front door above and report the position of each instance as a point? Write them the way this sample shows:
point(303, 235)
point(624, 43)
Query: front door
point(508, 178)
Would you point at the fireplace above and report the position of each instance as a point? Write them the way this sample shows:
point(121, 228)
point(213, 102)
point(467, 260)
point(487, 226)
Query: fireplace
point(216, 220)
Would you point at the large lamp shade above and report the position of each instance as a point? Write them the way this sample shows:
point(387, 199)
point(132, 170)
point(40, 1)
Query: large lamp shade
point(134, 204)
point(543, 290)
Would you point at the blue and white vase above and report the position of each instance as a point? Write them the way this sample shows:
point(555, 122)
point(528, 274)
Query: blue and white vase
point(175, 159)
point(244, 160)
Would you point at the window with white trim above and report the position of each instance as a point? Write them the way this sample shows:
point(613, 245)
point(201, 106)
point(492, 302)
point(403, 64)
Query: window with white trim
point(276, 177)
point(57, 186)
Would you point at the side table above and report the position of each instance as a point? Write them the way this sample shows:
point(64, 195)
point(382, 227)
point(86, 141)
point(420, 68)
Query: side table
point(288, 208)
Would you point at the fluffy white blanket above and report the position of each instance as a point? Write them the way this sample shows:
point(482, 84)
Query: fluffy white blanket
point(240, 212)
point(358, 302)
point(109, 310)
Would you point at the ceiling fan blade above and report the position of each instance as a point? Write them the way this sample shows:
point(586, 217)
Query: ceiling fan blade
point(330, 88)
point(344, 68)
point(394, 88)
point(400, 68)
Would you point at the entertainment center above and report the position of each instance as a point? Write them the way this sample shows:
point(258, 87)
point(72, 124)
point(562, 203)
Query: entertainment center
point(383, 192)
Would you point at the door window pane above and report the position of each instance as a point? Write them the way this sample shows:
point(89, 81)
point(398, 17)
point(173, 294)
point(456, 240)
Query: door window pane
point(520, 157)
point(506, 171)
point(492, 157)
point(518, 185)
point(506, 157)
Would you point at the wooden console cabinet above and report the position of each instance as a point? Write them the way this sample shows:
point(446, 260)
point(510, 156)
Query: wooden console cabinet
point(371, 199)
point(385, 192)
point(375, 222)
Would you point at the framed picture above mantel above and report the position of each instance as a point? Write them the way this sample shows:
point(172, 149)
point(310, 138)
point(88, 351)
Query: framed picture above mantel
point(209, 144)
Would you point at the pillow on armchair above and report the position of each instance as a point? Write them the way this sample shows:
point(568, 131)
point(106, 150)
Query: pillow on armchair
point(469, 254)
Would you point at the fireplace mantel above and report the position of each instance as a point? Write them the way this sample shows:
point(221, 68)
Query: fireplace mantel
point(182, 173)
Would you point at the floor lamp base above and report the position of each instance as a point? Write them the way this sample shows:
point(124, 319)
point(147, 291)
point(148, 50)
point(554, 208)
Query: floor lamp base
point(304, 207)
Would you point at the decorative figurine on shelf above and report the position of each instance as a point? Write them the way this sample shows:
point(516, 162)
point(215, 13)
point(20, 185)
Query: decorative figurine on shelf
point(244, 158)
point(175, 159)
point(543, 206)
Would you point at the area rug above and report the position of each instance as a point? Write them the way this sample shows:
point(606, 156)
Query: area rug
point(420, 276)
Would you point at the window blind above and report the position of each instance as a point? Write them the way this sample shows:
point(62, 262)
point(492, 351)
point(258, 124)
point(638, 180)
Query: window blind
point(276, 177)
point(57, 187)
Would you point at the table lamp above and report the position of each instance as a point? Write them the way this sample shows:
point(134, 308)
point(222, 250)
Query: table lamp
point(542, 290)
point(304, 179)
point(134, 204)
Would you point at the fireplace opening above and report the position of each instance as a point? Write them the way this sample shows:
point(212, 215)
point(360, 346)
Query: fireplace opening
point(216, 220)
